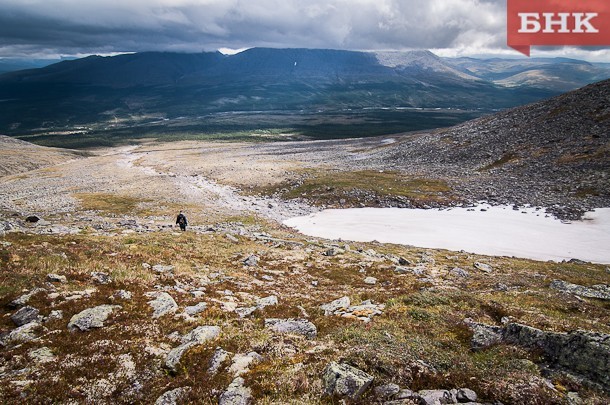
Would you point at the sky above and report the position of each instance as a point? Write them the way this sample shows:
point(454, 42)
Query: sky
point(68, 28)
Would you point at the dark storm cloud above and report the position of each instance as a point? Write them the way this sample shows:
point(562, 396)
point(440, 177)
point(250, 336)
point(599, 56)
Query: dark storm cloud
point(84, 26)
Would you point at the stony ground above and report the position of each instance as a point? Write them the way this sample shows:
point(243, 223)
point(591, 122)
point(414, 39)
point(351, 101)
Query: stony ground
point(103, 301)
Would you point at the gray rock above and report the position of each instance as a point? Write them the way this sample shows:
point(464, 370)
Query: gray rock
point(333, 252)
point(22, 334)
point(42, 355)
point(293, 326)
point(92, 317)
point(173, 397)
point(585, 353)
point(599, 291)
point(163, 304)
point(100, 277)
point(484, 335)
point(387, 391)
point(160, 268)
point(406, 394)
point(122, 295)
point(370, 280)
point(232, 238)
point(437, 397)
point(25, 298)
point(236, 394)
point(466, 395)
point(196, 309)
point(244, 312)
point(266, 302)
point(242, 362)
point(251, 261)
point(483, 267)
point(196, 337)
point(55, 315)
point(345, 380)
point(459, 272)
point(25, 315)
point(56, 278)
point(338, 304)
point(418, 271)
point(219, 357)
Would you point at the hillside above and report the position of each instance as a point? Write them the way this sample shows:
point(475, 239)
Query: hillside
point(154, 91)
point(18, 156)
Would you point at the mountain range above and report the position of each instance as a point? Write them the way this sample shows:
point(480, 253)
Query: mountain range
point(143, 88)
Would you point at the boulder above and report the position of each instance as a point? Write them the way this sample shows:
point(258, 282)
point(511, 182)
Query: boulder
point(56, 278)
point(92, 317)
point(486, 268)
point(236, 394)
point(459, 272)
point(266, 302)
point(100, 277)
point(465, 395)
point(370, 280)
point(173, 397)
point(161, 269)
point(338, 304)
point(25, 315)
point(345, 381)
point(251, 261)
point(163, 304)
point(387, 391)
point(483, 335)
point(22, 334)
point(437, 397)
point(292, 326)
point(25, 298)
point(242, 362)
point(42, 355)
point(196, 309)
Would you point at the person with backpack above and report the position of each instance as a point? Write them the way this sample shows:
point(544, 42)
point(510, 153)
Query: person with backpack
point(181, 220)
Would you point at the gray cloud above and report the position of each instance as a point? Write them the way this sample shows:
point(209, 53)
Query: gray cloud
point(73, 27)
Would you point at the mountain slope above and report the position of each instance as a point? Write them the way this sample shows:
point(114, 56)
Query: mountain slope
point(18, 156)
point(106, 90)
point(545, 153)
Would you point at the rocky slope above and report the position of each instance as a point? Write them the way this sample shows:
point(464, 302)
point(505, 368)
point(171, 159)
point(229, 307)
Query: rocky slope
point(18, 156)
point(555, 153)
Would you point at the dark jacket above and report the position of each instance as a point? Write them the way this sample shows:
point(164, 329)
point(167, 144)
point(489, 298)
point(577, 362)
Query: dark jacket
point(181, 220)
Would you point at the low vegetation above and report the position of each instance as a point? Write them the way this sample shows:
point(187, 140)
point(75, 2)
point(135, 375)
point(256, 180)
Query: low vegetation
point(353, 188)
point(419, 341)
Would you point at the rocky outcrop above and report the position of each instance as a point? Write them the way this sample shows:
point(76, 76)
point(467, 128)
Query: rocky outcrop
point(600, 291)
point(345, 381)
point(582, 352)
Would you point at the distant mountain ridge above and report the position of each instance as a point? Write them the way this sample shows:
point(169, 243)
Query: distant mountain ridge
point(167, 85)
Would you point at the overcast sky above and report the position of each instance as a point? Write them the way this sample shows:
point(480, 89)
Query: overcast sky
point(51, 28)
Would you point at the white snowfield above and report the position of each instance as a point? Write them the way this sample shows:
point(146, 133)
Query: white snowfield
point(498, 231)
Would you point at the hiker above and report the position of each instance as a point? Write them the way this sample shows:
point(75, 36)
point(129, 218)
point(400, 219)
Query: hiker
point(181, 220)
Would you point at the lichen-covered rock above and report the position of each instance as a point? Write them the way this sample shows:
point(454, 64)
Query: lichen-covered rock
point(194, 338)
point(56, 278)
point(172, 397)
point(91, 317)
point(100, 277)
point(293, 326)
point(22, 334)
point(437, 397)
point(219, 357)
point(338, 304)
point(25, 298)
point(387, 390)
point(600, 291)
point(465, 395)
point(25, 315)
point(196, 309)
point(345, 380)
point(236, 394)
point(42, 355)
point(242, 362)
point(483, 335)
point(163, 304)
point(486, 268)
